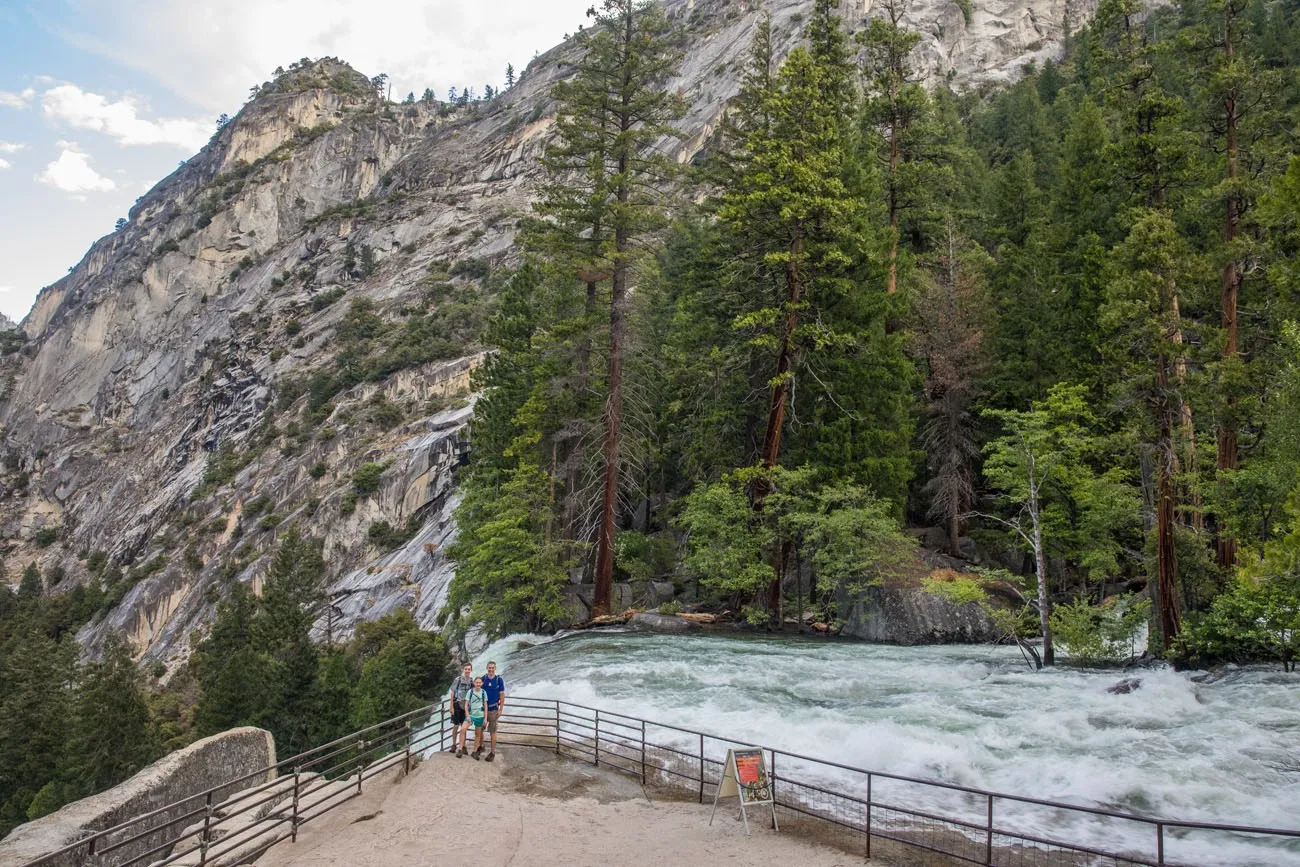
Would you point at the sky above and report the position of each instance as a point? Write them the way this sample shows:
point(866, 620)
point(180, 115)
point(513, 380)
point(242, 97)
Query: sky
point(101, 99)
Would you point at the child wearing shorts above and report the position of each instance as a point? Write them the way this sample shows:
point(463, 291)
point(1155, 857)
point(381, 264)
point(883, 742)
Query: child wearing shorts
point(476, 710)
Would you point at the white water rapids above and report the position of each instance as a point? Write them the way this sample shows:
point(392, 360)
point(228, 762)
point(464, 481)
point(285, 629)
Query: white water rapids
point(972, 715)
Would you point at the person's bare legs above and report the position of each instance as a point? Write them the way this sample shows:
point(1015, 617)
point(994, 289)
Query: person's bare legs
point(478, 740)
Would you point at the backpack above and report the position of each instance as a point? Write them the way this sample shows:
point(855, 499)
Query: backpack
point(471, 698)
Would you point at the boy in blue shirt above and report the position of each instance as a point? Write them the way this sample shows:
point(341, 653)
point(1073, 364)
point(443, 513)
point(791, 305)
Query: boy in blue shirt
point(495, 689)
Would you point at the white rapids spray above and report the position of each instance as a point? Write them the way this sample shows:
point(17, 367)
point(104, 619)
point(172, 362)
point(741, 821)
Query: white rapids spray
point(975, 716)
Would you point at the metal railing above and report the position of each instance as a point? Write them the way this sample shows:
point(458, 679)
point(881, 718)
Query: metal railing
point(244, 816)
point(855, 809)
point(860, 810)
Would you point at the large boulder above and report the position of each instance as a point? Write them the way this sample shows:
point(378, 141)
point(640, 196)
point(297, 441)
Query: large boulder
point(203, 765)
point(900, 615)
point(648, 621)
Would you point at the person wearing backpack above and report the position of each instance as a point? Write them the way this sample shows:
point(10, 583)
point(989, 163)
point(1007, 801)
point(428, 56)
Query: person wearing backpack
point(495, 688)
point(476, 710)
point(460, 687)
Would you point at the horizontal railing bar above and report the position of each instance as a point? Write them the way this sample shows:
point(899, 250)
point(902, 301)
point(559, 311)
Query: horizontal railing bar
point(800, 809)
point(315, 813)
point(885, 835)
point(382, 765)
point(1073, 847)
point(262, 827)
point(153, 830)
point(173, 856)
point(912, 811)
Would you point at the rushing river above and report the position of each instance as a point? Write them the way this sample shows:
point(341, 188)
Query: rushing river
point(973, 715)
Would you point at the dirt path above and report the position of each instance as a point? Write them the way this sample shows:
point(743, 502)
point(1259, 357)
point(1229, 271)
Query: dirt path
point(531, 809)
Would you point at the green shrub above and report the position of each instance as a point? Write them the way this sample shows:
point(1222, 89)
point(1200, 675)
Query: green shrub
point(472, 269)
point(954, 587)
point(670, 608)
point(325, 299)
point(1099, 633)
point(386, 414)
point(317, 470)
point(46, 537)
point(366, 479)
point(258, 506)
point(385, 536)
point(1258, 619)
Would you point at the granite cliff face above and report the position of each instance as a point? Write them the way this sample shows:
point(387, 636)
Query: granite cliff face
point(205, 377)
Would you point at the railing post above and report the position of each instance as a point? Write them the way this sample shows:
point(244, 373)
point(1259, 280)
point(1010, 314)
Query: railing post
point(206, 840)
point(988, 840)
point(406, 762)
point(701, 767)
point(1160, 844)
point(643, 752)
point(772, 784)
point(297, 780)
point(557, 726)
point(868, 816)
point(361, 764)
point(598, 738)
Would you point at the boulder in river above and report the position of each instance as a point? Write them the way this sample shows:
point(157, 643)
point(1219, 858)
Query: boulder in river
point(1125, 686)
point(904, 615)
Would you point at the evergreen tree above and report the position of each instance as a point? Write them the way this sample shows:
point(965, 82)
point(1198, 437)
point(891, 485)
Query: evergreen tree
point(30, 587)
point(36, 675)
point(896, 103)
point(611, 113)
point(510, 75)
point(232, 676)
point(1142, 316)
point(113, 733)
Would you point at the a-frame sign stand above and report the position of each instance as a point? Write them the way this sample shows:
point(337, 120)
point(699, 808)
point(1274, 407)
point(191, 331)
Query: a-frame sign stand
point(745, 776)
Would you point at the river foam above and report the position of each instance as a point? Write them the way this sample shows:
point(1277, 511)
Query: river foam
point(969, 715)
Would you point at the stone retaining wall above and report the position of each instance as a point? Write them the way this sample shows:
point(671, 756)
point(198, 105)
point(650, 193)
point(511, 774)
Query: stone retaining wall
point(197, 768)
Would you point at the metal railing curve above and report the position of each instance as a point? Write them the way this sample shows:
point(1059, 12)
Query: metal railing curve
point(856, 809)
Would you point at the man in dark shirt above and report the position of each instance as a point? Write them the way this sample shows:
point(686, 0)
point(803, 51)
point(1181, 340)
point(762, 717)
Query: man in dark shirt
point(495, 688)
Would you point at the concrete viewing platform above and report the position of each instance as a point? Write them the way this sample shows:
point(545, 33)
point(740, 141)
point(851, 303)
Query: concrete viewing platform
point(531, 807)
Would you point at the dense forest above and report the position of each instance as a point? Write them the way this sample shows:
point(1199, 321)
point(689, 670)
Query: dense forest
point(1055, 319)
point(1059, 321)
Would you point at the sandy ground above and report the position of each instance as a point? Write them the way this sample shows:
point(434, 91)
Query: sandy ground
point(530, 809)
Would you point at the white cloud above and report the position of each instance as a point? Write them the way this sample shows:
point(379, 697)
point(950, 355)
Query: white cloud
point(8, 147)
point(120, 119)
point(211, 51)
point(72, 173)
point(17, 100)
point(4, 164)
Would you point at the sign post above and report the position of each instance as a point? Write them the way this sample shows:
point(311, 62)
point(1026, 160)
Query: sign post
point(745, 776)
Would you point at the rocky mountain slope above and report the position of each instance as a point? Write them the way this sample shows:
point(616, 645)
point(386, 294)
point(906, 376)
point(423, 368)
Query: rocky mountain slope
point(285, 329)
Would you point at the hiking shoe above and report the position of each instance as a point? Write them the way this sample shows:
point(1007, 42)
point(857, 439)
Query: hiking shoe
point(475, 754)
point(478, 751)
point(460, 754)
point(491, 756)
